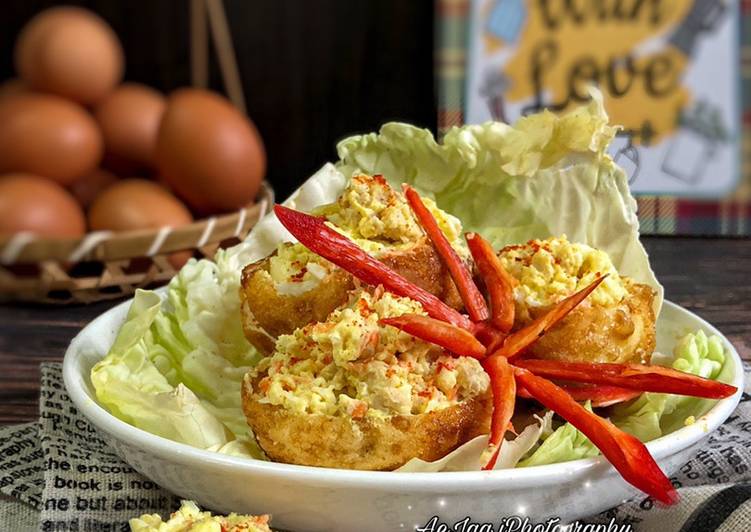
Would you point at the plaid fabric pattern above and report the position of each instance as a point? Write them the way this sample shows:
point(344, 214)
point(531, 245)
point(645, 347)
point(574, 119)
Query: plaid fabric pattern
point(450, 65)
point(657, 214)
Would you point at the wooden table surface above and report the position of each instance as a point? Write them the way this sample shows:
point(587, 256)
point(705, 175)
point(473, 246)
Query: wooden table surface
point(711, 277)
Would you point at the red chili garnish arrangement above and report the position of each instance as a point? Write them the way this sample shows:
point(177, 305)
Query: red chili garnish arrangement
point(600, 395)
point(486, 335)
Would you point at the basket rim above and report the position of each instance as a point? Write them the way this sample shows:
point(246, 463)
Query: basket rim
point(25, 247)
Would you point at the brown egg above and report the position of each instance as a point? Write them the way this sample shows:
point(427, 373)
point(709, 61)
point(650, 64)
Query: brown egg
point(47, 135)
point(36, 29)
point(35, 204)
point(129, 118)
point(209, 153)
point(136, 204)
point(71, 52)
point(12, 87)
point(87, 188)
point(139, 204)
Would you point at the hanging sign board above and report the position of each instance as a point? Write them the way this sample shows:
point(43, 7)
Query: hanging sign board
point(668, 70)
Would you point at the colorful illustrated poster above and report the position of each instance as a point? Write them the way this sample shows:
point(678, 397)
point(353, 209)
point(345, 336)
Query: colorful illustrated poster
point(668, 70)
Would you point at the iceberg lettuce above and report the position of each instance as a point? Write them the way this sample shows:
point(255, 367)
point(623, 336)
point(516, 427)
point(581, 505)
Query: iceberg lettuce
point(132, 384)
point(652, 415)
point(176, 366)
point(564, 444)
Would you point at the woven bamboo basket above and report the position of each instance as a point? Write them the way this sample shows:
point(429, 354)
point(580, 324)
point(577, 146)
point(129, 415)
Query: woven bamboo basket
point(106, 265)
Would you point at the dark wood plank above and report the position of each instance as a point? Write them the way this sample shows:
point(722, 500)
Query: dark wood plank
point(30, 335)
point(711, 277)
point(707, 276)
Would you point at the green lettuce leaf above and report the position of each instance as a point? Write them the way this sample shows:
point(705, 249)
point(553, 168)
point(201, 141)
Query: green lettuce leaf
point(133, 388)
point(564, 444)
point(653, 414)
point(544, 176)
point(176, 366)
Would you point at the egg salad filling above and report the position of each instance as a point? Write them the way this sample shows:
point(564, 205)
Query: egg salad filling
point(553, 269)
point(189, 518)
point(351, 365)
point(295, 269)
point(374, 215)
point(378, 218)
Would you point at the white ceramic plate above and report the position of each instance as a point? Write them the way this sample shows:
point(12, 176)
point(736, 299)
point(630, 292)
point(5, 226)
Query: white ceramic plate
point(318, 499)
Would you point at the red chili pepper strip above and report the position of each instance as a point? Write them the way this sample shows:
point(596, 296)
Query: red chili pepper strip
point(458, 341)
point(632, 376)
point(470, 294)
point(627, 454)
point(503, 385)
point(521, 339)
point(600, 395)
point(498, 282)
point(314, 234)
point(488, 335)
